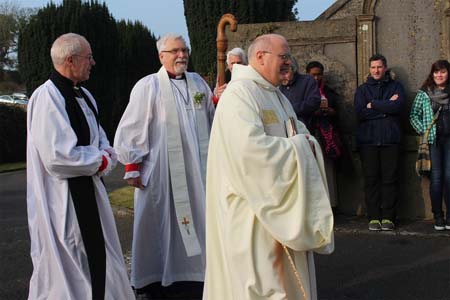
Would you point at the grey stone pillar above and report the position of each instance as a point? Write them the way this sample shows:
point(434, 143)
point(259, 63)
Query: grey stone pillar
point(365, 44)
point(445, 39)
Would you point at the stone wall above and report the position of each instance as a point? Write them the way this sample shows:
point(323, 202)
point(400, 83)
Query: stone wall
point(410, 33)
point(330, 42)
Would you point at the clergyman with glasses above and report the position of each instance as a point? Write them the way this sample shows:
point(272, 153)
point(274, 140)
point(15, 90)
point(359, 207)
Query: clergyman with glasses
point(75, 247)
point(162, 139)
point(303, 93)
point(267, 199)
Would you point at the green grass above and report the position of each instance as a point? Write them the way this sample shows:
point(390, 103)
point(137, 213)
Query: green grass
point(7, 167)
point(122, 197)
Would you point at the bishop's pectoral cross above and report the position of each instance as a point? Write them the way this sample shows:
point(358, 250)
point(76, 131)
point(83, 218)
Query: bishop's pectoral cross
point(186, 224)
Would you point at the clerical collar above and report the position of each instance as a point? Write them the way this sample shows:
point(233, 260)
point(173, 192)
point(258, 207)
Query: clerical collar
point(56, 76)
point(173, 76)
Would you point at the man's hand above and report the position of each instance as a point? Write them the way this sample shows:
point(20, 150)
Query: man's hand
point(328, 111)
point(136, 182)
point(218, 91)
point(369, 105)
point(394, 97)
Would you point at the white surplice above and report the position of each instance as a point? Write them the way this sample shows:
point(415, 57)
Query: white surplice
point(262, 187)
point(158, 252)
point(60, 264)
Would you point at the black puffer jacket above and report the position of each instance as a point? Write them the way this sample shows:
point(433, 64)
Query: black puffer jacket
point(379, 125)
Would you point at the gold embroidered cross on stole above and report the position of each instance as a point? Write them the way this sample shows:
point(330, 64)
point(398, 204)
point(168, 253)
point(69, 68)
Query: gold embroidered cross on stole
point(186, 223)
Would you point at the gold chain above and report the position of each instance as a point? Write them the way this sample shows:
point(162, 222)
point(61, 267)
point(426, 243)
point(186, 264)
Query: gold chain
point(297, 276)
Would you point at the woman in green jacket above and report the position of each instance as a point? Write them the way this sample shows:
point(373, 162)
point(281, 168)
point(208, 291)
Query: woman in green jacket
point(434, 96)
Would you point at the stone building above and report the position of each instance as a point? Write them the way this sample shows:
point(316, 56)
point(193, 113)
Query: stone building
point(412, 34)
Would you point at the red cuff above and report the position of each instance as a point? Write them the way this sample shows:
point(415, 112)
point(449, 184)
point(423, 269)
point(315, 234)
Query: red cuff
point(104, 164)
point(215, 99)
point(110, 155)
point(131, 168)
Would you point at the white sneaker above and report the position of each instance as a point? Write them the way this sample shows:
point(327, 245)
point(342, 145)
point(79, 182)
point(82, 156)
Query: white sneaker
point(439, 224)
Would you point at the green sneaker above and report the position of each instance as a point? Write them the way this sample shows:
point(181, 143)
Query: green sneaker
point(387, 225)
point(374, 225)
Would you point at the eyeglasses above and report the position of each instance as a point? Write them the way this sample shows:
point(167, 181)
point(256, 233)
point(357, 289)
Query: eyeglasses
point(284, 57)
point(176, 50)
point(89, 57)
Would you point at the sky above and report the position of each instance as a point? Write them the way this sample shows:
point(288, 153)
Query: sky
point(167, 16)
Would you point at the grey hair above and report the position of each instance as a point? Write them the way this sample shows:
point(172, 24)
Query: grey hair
point(161, 43)
point(66, 45)
point(237, 52)
point(256, 45)
point(262, 42)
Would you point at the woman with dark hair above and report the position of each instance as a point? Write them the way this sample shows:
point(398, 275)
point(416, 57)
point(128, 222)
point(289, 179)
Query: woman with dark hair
point(432, 101)
point(325, 129)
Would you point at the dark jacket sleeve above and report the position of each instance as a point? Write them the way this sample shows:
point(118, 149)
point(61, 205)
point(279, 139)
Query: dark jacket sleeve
point(391, 107)
point(362, 112)
point(311, 101)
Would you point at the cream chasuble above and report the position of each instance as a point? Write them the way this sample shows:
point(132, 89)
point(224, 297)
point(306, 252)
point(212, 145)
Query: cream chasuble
point(263, 188)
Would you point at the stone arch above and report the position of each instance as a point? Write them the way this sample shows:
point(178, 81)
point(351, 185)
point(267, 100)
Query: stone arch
point(369, 7)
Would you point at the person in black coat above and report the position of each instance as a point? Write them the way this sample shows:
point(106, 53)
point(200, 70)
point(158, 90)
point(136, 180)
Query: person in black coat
point(378, 105)
point(303, 93)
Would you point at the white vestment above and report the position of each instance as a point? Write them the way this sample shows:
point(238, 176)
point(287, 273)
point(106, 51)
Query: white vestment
point(59, 258)
point(159, 253)
point(262, 187)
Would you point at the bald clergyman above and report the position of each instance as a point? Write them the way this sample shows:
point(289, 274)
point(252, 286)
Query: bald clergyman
point(266, 194)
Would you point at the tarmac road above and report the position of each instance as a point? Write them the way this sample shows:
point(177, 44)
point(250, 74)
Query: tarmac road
point(411, 263)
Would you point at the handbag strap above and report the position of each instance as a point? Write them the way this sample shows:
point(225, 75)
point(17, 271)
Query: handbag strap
point(427, 132)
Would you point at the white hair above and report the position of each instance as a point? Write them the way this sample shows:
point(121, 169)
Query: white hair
point(237, 52)
point(66, 45)
point(161, 43)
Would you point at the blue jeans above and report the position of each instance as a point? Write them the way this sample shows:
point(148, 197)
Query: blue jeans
point(440, 177)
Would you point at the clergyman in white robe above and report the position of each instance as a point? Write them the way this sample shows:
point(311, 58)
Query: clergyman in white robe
point(61, 267)
point(265, 187)
point(160, 252)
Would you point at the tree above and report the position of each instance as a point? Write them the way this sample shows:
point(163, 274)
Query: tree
point(137, 47)
point(12, 17)
point(123, 52)
point(202, 17)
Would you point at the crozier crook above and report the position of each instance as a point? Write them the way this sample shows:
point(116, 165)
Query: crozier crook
point(222, 44)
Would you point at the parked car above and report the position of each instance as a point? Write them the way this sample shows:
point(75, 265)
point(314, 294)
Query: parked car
point(20, 96)
point(15, 98)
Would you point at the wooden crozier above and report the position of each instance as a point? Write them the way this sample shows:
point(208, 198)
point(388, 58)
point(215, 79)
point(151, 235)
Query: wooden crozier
point(222, 44)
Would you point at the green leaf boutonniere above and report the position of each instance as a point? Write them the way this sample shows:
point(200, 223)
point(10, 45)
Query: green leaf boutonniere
point(198, 98)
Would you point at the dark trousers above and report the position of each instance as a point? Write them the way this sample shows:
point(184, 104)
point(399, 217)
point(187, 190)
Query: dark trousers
point(440, 177)
point(380, 170)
